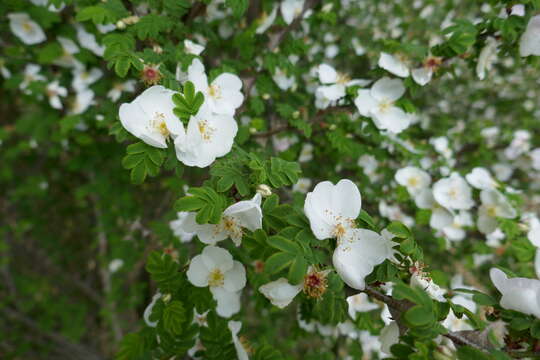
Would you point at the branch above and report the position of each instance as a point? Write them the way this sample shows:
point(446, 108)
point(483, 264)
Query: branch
point(459, 338)
point(104, 270)
point(278, 39)
point(71, 350)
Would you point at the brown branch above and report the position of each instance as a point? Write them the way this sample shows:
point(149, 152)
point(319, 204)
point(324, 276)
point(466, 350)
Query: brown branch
point(71, 350)
point(278, 39)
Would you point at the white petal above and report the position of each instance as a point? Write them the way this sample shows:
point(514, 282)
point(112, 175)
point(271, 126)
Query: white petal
point(387, 89)
point(217, 258)
point(365, 102)
point(393, 119)
point(519, 294)
point(280, 292)
point(422, 75)
point(389, 336)
point(529, 44)
point(198, 272)
point(235, 278)
point(228, 303)
point(393, 65)
point(355, 259)
point(327, 74)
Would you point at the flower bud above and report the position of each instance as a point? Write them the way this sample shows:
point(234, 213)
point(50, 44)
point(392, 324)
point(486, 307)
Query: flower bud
point(120, 25)
point(166, 298)
point(266, 96)
point(264, 190)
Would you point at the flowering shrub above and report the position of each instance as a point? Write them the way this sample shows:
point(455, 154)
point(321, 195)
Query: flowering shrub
point(222, 179)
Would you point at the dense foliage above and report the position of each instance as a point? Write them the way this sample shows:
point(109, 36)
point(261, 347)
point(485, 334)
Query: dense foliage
point(295, 179)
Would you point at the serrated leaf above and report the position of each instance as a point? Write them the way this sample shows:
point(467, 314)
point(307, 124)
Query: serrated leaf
point(174, 316)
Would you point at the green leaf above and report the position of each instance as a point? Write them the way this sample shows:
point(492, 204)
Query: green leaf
point(419, 316)
point(163, 270)
point(283, 244)
point(238, 7)
point(208, 204)
point(278, 262)
point(174, 316)
point(138, 173)
point(298, 270)
point(399, 230)
point(467, 352)
point(150, 26)
point(131, 347)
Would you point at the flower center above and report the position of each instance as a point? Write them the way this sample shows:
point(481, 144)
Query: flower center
point(315, 284)
point(205, 130)
point(158, 123)
point(491, 210)
point(413, 181)
point(453, 193)
point(231, 226)
point(339, 231)
point(214, 91)
point(27, 27)
point(342, 79)
point(385, 105)
point(216, 278)
point(85, 75)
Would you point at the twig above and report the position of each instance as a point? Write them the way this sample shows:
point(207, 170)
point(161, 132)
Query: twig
point(278, 39)
point(74, 351)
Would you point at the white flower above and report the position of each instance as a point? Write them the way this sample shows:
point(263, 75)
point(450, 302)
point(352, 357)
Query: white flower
point(306, 154)
point(335, 83)
point(150, 117)
point(441, 145)
point(534, 230)
point(378, 103)
point(115, 93)
point(332, 209)
point(291, 9)
point(280, 292)
point(83, 100)
point(241, 352)
point(88, 41)
point(396, 65)
point(283, 81)
point(529, 44)
point(419, 280)
point(494, 205)
point(68, 49)
point(453, 193)
point(520, 144)
point(31, 74)
point(480, 178)
point(356, 258)
point(535, 157)
point(148, 310)
point(223, 95)
point(389, 336)
point(454, 231)
point(452, 322)
point(225, 277)
point(178, 227)
point(192, 47)
point(27, 30)
point(51, 7)
point(486, 58)
point(244, 214)
point(413, 178)
point(302, 185)
point(115, 265)
point(519, 294)
point(207, 137)
point(266, 20)
point(54, 91)
point(82, 78)
point(360, 303)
